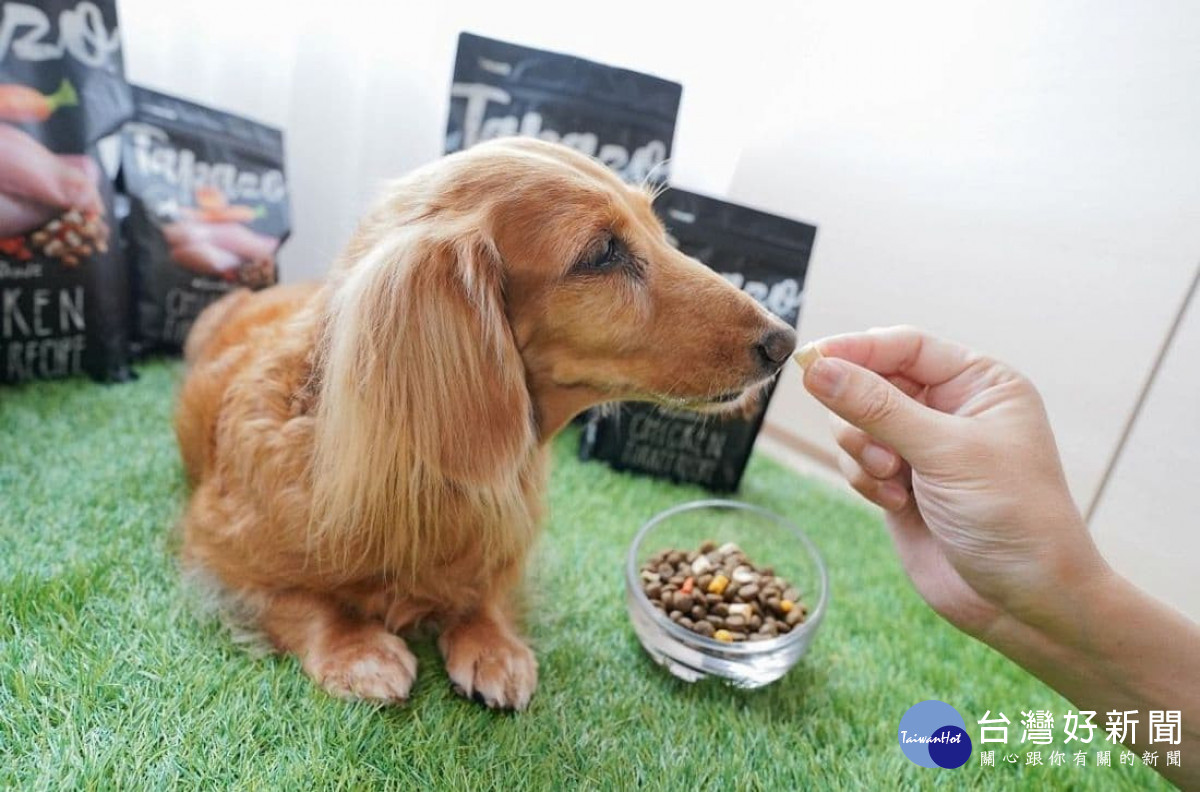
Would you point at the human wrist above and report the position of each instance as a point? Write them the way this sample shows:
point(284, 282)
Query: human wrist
point(1057, 601)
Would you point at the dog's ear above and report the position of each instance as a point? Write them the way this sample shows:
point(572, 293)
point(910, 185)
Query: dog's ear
point(464, 372)
point(421, 366)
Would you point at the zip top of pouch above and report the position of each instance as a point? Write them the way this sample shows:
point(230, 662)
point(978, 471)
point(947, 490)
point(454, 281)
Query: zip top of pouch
point(189, 118)
point(623, 117)
point(188, 161)
point(61, 71)
point(763, 254)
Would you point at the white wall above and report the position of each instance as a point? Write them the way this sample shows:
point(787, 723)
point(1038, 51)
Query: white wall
point(362, 87)
point(1022, 176)
point(1150, 512)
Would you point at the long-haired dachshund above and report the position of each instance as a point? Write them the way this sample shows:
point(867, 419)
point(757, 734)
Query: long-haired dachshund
point(371, 452)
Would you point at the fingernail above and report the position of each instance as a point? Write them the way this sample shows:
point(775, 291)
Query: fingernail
point(893, 496)
point(877, 460)
point(825, 376)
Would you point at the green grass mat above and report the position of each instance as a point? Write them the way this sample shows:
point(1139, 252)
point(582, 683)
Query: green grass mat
point(109, 680)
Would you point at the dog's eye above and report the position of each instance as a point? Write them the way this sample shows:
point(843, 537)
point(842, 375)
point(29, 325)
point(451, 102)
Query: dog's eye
point(604, 255)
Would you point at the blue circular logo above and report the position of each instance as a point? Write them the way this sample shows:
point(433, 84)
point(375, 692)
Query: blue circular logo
point(933, 734)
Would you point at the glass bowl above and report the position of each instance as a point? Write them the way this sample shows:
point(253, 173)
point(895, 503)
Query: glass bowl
point(768, 540)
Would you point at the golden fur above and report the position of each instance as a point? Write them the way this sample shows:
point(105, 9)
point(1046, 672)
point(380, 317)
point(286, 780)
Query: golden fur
point(370, 452)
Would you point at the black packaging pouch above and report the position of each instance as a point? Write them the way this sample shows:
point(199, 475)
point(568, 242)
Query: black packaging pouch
point(63, 281)
point(208, 210)
point(767, 257)
point(623, 118)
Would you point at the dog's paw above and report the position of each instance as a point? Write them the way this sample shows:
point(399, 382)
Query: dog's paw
point(489, 666)
point(377, 667)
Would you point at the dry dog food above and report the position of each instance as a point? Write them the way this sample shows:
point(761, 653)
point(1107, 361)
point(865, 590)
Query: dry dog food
point(719, 593)
point(72, 237)
point(208, 211)
point(63, 281)
point(623, 118)
point(767, 257)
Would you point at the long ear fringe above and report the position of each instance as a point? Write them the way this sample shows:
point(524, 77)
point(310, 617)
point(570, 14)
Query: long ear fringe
point(423, 405)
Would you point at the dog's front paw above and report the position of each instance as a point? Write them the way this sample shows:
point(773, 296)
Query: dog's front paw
point(375, 667)
point(488, 664)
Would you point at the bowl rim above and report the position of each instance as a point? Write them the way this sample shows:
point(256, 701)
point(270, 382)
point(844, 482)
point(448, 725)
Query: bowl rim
point(632, 582)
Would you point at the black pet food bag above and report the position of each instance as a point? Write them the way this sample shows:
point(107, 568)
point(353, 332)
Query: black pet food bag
point(64, 285)
point(208, 210)
point(623, 118)
point(767, 257)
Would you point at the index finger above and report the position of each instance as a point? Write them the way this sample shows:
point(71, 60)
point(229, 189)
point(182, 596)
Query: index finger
point(906, 351)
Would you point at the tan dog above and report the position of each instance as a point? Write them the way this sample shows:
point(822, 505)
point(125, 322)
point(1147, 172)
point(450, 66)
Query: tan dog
point(371, 452)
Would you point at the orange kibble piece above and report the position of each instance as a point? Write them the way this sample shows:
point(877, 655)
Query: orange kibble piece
point(686, 588)
point(718, 585)
point(786, 605)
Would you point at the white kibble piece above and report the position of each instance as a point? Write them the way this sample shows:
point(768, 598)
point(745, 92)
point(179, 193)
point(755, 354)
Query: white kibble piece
point(740, 609)
point(742, 575)
point(729, 548)
point(701, 565)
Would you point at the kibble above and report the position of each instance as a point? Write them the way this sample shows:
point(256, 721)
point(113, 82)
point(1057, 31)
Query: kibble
point(257, 273)
point(718, 593)
point(71, 237)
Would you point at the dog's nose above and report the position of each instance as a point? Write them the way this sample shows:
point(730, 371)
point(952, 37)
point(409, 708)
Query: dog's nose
point(776, 345)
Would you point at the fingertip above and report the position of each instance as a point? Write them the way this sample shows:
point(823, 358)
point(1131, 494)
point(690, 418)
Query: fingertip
point(892, 496)
point(879, 461)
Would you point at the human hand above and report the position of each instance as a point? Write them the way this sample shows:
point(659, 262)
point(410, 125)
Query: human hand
point(958, 450)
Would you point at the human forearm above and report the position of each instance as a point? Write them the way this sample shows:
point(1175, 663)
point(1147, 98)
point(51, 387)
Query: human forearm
point(1106, 646)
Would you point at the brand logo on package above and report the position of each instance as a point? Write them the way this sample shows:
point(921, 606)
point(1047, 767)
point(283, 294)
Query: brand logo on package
point(624, 119)
point(933, 734)
point(640, 162)
point(156, 155)
point(26, 32)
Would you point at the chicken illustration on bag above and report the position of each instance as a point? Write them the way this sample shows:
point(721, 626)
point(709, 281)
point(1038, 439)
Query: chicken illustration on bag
point(209, 239)
point(49, 203)
point(64, 279)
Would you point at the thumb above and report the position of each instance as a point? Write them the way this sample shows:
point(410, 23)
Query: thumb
point(874, 405)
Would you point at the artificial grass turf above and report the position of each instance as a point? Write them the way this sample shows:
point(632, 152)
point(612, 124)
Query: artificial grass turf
point(108, 678)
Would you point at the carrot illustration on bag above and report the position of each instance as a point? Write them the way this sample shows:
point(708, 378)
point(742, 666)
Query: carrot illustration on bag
point(235, 213)
point(22, 104)
point(213, 207)
point(209, 197)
